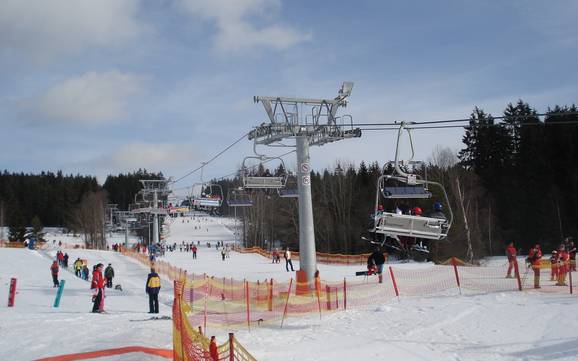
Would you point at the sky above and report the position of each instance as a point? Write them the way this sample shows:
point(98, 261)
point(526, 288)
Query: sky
point(105, 86)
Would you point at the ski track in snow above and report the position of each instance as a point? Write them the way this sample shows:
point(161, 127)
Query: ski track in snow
point(491, 327)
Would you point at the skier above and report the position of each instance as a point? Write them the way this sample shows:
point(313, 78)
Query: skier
point(65, 260)
point(97, 287)
point(85, 272)
point(375, 261)
point(109, 275)
point(213, 351)
point(54, 272)
point(563, 267)
point(227, 251)
point(437, 213)
point(223, 253)
point(511, 253)
point(274, 255)
point(153, 286)
point(288, 262)
point(78, 267)
point(534, 258)
point(194, 252)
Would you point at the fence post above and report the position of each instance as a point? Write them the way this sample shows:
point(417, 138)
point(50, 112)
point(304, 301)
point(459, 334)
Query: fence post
point(517, 273)
point(231, 347)
point(344, 293)
point(59, 293)
point(206, 295)
point(394, 283)
point(12, 293)
point(286, 302)
point(454, 263)
point(318, 291)
point(328, 293)
point(570, 280)
point(247, 303)
point(270, 303)
point(336, 299)
point(201, 330)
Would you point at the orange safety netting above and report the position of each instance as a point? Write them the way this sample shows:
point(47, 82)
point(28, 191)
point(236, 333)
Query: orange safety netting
point(323, 258)
point(226, 302)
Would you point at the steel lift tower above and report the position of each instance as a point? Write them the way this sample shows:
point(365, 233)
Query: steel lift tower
point(309, 122)
point(155, 187)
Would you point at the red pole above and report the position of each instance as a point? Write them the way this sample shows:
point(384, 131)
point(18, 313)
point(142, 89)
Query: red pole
point(328, 293)
point(570, 279)
point(12, 293)
point(336, 299)
point(231, 347)
point(318, 291)
point(394, 283)
point(287, 301)
point(344, 293)
point(247, 303)
point(454, 263)
point(517, 272)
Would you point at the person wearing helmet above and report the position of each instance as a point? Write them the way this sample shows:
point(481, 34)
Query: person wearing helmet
point(437, 212)
point(416, 211)
point(554, 266)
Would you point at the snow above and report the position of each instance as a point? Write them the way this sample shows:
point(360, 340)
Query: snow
point(496, 326)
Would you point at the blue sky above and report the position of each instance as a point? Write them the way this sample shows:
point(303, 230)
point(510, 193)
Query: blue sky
point(106, 86)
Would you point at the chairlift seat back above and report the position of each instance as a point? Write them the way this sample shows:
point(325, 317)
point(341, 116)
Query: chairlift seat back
point(405, 192)
point(239, 203)
point(393, 225)
point(264, 182)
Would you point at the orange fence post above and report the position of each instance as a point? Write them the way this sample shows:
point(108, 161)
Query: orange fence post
point(517, 273)
point(206, 295)
point(287, 301)
point(270, 303)
point(318, 291)
point(336, 299)
point(344, 293)
point(394, 283)
point(328, 293)
point(231, 346)
point(247, 302)
point(455, 264)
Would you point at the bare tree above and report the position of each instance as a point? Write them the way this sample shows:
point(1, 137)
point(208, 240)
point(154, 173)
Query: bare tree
point(88, 219)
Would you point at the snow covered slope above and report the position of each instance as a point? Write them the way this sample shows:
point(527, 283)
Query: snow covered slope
point(497, 326)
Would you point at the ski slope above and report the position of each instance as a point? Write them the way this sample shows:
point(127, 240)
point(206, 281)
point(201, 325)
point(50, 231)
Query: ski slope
point(497, 326)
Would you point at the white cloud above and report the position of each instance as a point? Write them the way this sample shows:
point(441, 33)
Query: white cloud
point(90, 99)
point(43, 29)
point(236, 30)
point(170, 158)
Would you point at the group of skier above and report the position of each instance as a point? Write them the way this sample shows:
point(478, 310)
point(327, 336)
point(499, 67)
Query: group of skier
point(562, 261)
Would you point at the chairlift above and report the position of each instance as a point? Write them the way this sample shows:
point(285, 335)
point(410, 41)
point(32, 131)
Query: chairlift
point(210, 196)
point(291, 190)
point(262, 181)
point(239, 198)
point(405, 184)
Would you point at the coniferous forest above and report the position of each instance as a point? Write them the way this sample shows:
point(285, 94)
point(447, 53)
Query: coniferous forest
point(515, 179)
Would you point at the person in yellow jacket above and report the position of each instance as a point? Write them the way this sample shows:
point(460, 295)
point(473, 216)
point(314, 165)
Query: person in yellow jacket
point(153, 287)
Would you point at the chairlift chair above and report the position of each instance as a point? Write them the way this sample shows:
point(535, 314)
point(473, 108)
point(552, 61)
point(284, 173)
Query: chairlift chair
point(413, 187)
point(239, 198)
point(261, 181)
point(210, 196)
point(291, 190)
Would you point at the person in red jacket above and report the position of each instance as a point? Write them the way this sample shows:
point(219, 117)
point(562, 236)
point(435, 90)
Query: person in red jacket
point(563, 265)
point(534, 257)
point(511, 253)
point(213, 352)
point(54, 272)
point(97, 286)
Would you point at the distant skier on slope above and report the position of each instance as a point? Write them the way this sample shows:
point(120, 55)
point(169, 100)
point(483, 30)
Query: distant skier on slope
point(109, 275)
